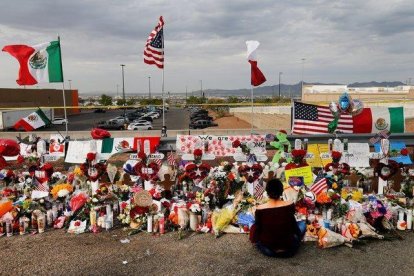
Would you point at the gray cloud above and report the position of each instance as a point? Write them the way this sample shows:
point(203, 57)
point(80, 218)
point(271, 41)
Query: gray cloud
point(342, 41)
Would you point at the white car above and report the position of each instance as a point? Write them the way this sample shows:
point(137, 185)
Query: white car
point(153, 115)
point(139, 121)
point(59, 121)
point(139, 126)
point(119, 120)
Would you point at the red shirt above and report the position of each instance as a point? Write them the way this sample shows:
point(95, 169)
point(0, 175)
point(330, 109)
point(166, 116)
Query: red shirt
point(275, 227)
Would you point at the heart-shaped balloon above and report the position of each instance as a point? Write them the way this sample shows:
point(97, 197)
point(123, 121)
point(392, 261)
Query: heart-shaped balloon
point(344, 102)
point(357, 107)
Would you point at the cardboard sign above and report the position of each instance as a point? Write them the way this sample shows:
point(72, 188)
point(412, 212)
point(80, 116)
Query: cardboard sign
point(50, 158)
point(56, 145)
point(305, 172)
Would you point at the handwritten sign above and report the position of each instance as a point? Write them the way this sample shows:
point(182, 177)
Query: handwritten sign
point(315, 160)
point(50, 158)
point(357, 155)
point(305, 172)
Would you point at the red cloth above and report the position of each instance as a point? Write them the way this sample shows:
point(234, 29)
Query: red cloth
point(257, 77)
point(275, 227)
point(98, 133)
point(22, 53)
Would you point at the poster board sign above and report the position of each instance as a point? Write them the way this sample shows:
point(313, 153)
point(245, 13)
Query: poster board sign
point(56, 145)
point(219, 145)
point(305, 172)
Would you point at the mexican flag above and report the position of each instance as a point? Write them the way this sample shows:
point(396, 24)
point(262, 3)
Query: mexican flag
point(376, 119)
point(32, 121)
point(38, 64)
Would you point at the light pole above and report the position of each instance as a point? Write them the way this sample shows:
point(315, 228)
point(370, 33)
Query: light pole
point(117, 90)
point(201, 89)
point(149, 87)
point(303, 65)
point(186, 93)
point(123, 91)
point(280, 73)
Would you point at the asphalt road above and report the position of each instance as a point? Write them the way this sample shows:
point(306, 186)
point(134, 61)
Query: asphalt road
point(175, 119)
point(58, 253)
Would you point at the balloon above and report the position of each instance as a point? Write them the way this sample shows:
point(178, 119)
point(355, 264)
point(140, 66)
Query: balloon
point(344, 102)
point(357, 107)
point(333, 107)
point(98, 133)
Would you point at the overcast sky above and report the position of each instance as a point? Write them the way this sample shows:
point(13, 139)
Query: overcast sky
point(342, 41)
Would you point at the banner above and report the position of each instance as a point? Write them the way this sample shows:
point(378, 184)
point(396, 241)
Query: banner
point(305, 172)
point(219, 145)
point(56, 147)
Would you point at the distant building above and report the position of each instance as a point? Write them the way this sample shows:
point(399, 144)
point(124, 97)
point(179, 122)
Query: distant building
point(20, 97)
point(328, 93)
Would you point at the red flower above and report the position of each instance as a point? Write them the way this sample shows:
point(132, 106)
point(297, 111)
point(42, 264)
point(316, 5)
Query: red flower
point(336, 155)
point(137, 210)
point(198, 152)
point(236, 144)
point(91, 156)
point(166, 204)
point(124, 205)
point(299, 153)
point(20, 159)
point(404, 151)
point(77, 223)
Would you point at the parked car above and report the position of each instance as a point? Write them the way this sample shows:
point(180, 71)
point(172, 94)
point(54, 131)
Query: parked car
point(99, 110)
point(201, 124)
point(141, 121)
point(120, 119)
point(146, 118)
point(111, 125)
point(139, 126)
point(153, 115)
point(202, 117)
point(59, 121)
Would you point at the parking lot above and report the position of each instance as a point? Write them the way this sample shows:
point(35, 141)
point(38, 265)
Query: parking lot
point(175, 118)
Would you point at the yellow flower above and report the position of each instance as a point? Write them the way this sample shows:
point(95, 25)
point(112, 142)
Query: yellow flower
point(334, 185)
point(357, 195)
point(77, 171)
point(60, 188)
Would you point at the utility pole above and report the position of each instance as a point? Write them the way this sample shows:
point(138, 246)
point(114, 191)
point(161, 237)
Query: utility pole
point(117, 92)
point(123, 91)
point(280, 73)
point(149, 87)
point(303, 65)
point(186, 94)
point(201, 89)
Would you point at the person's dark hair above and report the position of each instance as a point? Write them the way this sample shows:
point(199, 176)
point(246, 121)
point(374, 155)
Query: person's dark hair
point(274, 188)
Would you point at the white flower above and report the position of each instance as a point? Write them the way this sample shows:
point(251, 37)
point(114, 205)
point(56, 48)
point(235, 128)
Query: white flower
point(63, 193)
point(94, 199)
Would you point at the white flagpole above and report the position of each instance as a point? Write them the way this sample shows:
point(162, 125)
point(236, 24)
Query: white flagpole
point(163, 99)
point(252, 109)
point(63, 91)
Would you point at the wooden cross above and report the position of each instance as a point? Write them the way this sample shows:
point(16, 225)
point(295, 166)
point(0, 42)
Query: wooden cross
point(167, 183)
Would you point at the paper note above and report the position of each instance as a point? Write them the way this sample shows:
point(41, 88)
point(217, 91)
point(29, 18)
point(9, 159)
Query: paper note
point(77, 151)
point(305, 172)
point(358, 155)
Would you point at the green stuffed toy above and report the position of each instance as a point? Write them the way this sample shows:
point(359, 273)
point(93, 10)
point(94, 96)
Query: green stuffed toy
point(279, 144)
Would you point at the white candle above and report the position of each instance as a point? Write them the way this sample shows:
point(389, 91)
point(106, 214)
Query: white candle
point(401, 215)
point(409, 219)
point(149, 223)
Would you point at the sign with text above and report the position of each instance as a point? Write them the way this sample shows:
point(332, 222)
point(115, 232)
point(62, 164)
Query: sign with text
point(305, 172)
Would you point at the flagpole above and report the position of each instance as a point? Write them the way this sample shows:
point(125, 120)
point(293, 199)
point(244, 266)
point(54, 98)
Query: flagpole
point(63, 91)
point(251, 132)
point(163, 99)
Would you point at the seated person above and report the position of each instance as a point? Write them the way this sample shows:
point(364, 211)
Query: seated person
point(276, 232)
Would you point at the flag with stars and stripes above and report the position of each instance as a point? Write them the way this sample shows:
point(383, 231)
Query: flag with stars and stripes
point(314, 119)
point(158, 162)
point(258, 191)
point(40, 186)
point(154, 48)
point(319, 184)
point(171, 159)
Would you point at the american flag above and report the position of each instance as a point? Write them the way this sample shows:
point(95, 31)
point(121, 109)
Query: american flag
point(154, 48)
point(158, 162)
point(171, 159)
point(319, 185)
point(258, 191)
point(38, 186)
point(314, 119)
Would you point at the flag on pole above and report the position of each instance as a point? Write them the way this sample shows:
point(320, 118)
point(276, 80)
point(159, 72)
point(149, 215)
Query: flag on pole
point(319, 185)
point(154, 48)
point(171, 159)
point(258, 191)
point(33, 121)
point(257, 77)
point(41, 63)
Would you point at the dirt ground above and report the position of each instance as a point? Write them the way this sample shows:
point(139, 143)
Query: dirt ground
point(58, 253)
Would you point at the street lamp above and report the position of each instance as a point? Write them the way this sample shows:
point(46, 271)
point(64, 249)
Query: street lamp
point(280, 73)
point(149, 87)
point(303, 65)
point(123, 91)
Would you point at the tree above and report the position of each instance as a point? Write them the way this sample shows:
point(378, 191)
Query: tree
point(105, 100)
point(120, 102)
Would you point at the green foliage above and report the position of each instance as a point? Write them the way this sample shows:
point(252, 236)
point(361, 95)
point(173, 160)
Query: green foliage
point(150, 101)
point(105, 100)
point(195, 100)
